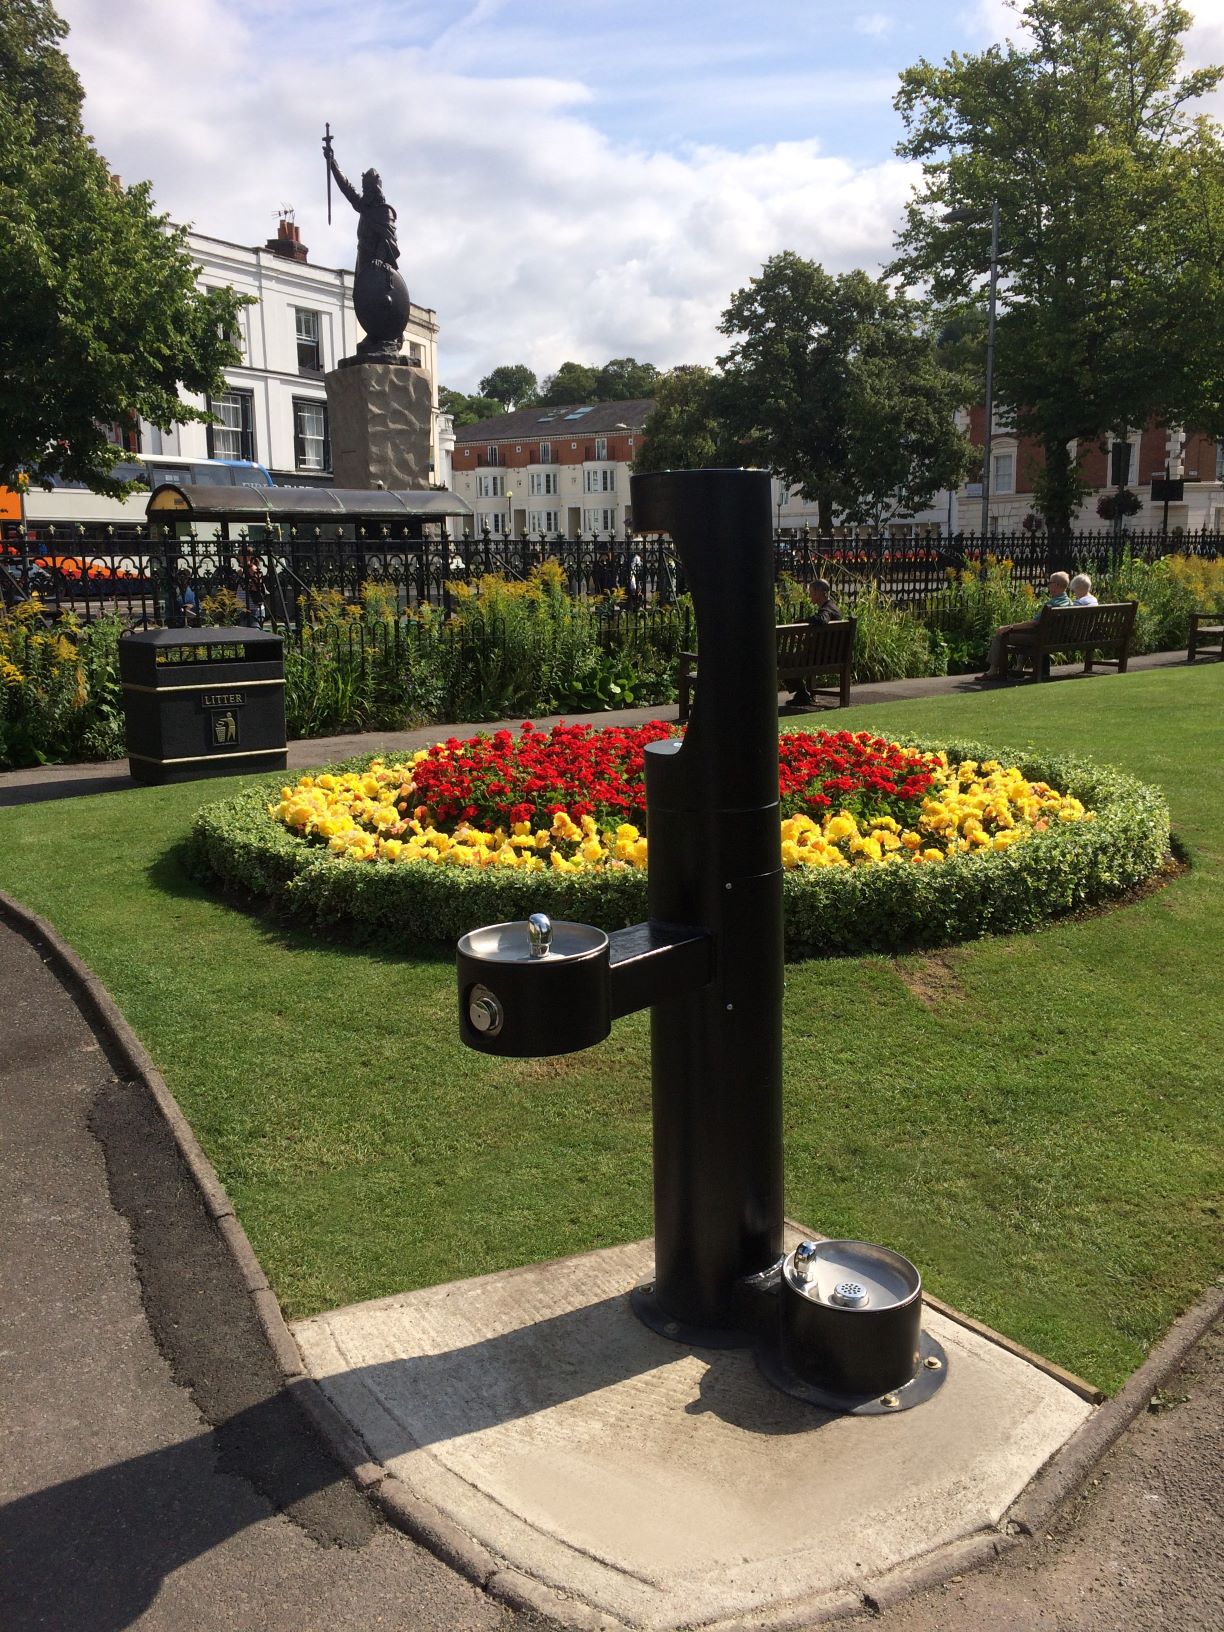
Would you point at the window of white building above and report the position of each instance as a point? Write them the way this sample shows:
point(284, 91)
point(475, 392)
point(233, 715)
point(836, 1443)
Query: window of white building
point(601, 447)
point(1122, 461)
point(495, 521)
point(490, 487)
point(233, 436)
point(309, 342)
point(1003, 473)
point(599, 481)
point(599, 521)
point(542, 481)
point(543, 521)
point(311, 445)
point(546, 454)
point(491, 455)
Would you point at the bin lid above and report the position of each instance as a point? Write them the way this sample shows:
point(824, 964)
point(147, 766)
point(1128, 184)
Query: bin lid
point(230, 635)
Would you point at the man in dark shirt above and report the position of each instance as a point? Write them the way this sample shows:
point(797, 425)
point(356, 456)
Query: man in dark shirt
point(827, 611)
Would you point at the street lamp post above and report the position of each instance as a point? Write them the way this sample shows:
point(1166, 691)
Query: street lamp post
point(964, 215)
point(990, 343)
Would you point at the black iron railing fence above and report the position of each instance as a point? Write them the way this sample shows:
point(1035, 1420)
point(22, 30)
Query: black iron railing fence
point(146, 580)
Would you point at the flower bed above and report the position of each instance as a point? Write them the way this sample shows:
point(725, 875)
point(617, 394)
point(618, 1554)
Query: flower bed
point(884, 845)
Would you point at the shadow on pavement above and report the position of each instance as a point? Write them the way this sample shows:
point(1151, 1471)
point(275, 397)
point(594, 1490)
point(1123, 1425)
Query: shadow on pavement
point(90, 1554)
point(69, 787)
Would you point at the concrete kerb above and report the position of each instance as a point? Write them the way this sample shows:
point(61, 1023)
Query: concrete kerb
point(1061, 1477)
point(1065, 1473)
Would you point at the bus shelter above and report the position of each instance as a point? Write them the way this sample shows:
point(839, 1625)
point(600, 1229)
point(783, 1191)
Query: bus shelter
point(280, 515)
point(272, 546)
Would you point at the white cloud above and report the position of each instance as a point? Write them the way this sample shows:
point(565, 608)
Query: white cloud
point(535, 236)
point(875, 24)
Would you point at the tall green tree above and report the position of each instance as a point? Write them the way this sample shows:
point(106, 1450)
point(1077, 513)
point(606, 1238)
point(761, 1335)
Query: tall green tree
point(1111, 203)
point(834, 383)
point(623, 379)
point(103, 321)
point(573, 382)
point(466, 410)
point(689, 428)
point(511, 384)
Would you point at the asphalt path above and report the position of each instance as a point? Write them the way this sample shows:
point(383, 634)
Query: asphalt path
point(154, 1474)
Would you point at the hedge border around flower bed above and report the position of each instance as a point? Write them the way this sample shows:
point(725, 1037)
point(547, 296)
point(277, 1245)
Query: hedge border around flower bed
point(829, 911)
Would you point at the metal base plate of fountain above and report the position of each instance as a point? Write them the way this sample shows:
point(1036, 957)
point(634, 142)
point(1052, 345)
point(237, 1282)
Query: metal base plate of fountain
point(756, 1307)
point(930, 1376)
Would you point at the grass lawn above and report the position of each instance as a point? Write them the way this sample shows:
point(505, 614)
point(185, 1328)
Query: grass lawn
point(1035, 1120)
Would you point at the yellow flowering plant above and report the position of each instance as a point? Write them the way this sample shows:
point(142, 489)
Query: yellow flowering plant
point(848, 800)
point(987, 844)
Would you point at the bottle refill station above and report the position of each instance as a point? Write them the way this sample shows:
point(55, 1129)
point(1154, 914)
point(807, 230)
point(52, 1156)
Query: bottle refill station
point(836, 1323)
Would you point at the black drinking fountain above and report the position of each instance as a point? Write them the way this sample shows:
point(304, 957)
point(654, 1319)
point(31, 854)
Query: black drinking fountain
point(836, 1323)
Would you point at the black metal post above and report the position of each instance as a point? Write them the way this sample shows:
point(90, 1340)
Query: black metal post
point(715, 861)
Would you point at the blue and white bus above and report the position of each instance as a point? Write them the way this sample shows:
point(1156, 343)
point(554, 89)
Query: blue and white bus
point(67, 506)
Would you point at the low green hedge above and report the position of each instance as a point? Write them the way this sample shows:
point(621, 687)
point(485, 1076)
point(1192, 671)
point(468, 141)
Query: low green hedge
point(1069, 866)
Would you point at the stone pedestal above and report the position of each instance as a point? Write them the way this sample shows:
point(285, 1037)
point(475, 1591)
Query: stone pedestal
point(379, 416)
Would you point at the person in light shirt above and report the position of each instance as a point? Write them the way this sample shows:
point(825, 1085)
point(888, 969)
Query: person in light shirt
point(1058, 596)
point(1080, 590)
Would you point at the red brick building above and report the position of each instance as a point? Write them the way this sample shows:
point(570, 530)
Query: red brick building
point(551, 470)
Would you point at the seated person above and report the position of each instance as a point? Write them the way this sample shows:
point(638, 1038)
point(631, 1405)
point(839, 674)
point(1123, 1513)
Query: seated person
point(188, 600)
point(827, 611)
point(1057, 596)
point(1081, 591)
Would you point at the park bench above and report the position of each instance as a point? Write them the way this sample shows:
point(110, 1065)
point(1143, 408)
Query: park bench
point(806, 652)
point(1092, 630)
point(1206, 629)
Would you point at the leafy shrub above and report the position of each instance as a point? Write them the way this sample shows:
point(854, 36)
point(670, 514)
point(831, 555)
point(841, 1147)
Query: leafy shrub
point(976, 602)
point(519, 648)
point(1167, 591)
point(828, 911)
point(1113, 506)
point(890, 643)
point(60, 696)
point(348, 669)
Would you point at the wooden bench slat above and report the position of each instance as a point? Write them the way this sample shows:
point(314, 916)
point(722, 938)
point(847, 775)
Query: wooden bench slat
point(1206, 631)
point(1088, 629)
point(804, 652)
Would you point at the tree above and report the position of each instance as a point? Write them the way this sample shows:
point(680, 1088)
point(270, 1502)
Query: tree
point(623, 379)
point(103, 322)
point(834, 384)
point(467, 410)
point(1111, 205)
point(688, 428)
point(511, 384)
point(573, 382)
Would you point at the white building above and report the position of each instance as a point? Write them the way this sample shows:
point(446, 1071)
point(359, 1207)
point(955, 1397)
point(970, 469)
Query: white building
point(302, 323)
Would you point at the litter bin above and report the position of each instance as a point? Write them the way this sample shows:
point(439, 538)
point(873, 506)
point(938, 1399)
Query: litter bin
point(202, 702)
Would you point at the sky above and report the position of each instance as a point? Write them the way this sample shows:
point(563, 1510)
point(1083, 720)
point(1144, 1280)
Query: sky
point(574, 180)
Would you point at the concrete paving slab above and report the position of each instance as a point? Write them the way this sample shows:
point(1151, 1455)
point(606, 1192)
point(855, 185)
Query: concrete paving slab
point(660, 1486)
